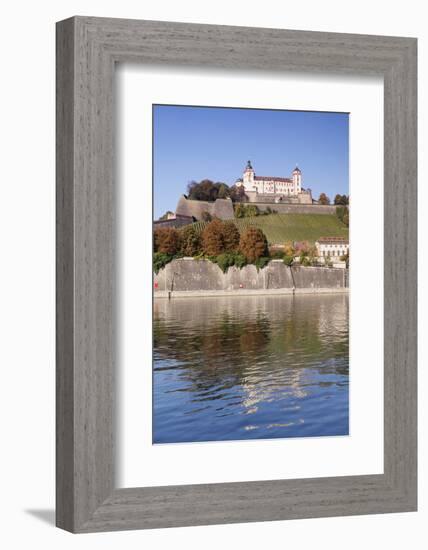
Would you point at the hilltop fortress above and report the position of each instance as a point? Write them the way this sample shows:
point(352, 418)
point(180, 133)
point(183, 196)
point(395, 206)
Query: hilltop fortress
point(281, 194)
point(274, 189)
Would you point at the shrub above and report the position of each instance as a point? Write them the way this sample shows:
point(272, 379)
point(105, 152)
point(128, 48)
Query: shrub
point(277, 254)
point(251, 210)
point(228, 259)
point(345, 258)
point(230, 236)
point(160, 260)
point(190, 241)
point(313, 254)
point(239, 210)
point(289, 249)
point(288, 260)
point(261, 262)
point(302, 248)
point(246, 210)
point(212, 238)
point(166, 240)
point(253, 244)
point(240, 260)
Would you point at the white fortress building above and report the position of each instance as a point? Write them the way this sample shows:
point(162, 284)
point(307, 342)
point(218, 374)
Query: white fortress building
point(273, 188)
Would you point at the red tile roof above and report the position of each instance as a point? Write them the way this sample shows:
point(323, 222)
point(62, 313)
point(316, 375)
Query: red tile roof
point(333, 240)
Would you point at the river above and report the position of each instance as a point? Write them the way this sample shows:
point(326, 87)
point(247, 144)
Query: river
point(254, 367)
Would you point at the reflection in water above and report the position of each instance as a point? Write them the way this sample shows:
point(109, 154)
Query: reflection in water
point(250, 367)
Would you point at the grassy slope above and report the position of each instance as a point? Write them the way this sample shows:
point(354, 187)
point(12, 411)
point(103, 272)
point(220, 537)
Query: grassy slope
point(280, 228)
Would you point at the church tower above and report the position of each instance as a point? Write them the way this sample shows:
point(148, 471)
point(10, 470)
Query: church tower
point(297, 180)
point(248, 177)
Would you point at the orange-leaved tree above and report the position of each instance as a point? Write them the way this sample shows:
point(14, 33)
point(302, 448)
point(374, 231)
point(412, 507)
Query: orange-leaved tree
point(166, 240)
point(190, 241)
point(253, 244)
point(230, 236)
point(212, 238)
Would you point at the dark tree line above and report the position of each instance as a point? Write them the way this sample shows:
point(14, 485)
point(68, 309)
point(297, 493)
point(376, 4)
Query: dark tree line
point(207, 190)
point(339, 200)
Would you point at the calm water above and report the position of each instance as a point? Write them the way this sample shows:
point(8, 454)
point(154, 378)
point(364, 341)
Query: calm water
point(250, 368)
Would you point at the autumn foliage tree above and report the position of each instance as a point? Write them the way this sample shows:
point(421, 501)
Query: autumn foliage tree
point(230, 237)
point(253, 244)
point(212, 238)
point(166, 240)
point(323, 199)
point(190, 241)
point(219, 237)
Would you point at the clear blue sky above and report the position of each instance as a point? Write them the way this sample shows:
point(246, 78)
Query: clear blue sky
point(195, 143)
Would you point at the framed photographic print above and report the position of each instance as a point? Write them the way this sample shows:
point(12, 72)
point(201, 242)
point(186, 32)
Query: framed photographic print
point(236, 274)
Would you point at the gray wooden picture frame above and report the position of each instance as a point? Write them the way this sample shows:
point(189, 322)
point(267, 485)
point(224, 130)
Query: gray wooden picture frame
point(87, 50)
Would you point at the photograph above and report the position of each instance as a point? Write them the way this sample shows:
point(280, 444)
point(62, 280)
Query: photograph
point(251, 274)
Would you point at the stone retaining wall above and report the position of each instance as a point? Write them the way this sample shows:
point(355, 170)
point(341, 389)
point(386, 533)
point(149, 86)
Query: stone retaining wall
point(202, 275)
point(298, 208)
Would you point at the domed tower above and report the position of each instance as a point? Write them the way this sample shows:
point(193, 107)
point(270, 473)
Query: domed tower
point(248, 177)
point(297, 180)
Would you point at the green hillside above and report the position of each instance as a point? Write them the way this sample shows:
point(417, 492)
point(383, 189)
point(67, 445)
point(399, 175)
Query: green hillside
point(280, 228)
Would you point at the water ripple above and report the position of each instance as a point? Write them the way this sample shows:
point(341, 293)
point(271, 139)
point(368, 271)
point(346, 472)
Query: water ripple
point(281, 362)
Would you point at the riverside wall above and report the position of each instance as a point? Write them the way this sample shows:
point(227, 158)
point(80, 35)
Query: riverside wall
point(187, 275)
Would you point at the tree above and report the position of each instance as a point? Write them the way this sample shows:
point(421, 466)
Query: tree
point(166, 240)
point(190, 241)
point(342, 212)
point(312, 254)
point(345, 258)
point(230, 237)
point(212, 238)
point(341, 200)
point(253, 244)
point(219, 237)
point(346, 218)
point(239, 210)
point(223, 191)
point(323, 199)
point(237, 193)
point(207, 190)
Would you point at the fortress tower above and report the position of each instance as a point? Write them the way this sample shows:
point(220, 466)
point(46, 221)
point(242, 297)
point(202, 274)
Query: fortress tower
point(297, 180)
point(248, 177)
